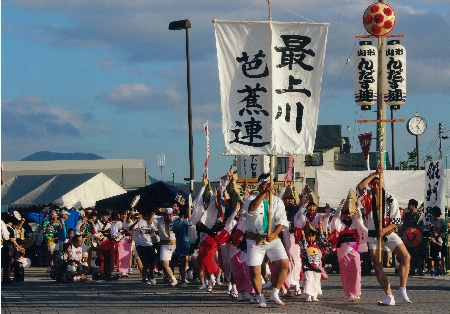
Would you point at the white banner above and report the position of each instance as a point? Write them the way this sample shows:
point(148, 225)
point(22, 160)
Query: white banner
point(252, 166)
point(434, 186)
point(332, 185)
point(270, 79)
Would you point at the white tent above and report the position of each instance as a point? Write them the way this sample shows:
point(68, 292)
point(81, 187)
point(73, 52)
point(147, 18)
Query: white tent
point(332, 186)
point(68, 190)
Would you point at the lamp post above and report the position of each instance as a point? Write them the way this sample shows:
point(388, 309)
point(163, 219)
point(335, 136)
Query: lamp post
point(177, 25)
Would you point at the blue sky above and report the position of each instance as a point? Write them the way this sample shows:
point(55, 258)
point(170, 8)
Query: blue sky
point(108, 77)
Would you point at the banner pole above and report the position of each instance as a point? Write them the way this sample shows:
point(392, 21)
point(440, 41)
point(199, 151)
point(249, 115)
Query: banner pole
point(380, 142)
point(269, 227)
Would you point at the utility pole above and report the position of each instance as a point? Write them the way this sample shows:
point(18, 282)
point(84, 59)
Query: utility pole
point(440, 139)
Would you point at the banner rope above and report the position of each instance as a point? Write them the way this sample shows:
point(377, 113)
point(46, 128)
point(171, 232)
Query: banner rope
point(294, 13)
point(240, 10)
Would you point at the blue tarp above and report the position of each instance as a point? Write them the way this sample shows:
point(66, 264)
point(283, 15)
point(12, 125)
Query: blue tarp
point(71, 222)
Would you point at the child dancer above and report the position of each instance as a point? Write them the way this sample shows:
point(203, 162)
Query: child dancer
point(313, 242)
point(348, 235)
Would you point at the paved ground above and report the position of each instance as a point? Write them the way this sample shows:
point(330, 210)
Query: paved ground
point(40, 294)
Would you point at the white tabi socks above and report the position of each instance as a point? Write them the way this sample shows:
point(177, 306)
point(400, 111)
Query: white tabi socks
point(275, 297)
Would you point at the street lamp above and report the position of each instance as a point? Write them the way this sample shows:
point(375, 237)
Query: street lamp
point(177, 25)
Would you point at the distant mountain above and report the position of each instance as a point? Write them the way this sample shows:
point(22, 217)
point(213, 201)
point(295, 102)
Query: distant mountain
point(44, 156)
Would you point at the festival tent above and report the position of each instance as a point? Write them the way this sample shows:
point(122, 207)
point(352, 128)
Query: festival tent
point(64, 190)
point(152, 196)
point(332, 186)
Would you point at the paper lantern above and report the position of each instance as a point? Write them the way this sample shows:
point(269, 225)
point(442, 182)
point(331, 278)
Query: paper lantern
point(365, 72)
point(394, 73)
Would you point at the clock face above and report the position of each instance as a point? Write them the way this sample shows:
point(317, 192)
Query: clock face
point(416, 125)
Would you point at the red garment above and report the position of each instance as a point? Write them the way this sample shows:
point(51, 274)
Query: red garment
point(207, 256)
point(106, 246)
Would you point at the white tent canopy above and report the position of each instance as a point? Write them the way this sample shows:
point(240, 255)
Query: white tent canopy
point(67, 190)
point(332, 186)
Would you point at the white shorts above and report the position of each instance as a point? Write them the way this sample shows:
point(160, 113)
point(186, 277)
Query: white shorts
point(393, 241)
point(166, 252)
point(255, 253)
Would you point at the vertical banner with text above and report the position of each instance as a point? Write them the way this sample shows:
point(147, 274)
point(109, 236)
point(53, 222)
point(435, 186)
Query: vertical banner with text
point(270, 80)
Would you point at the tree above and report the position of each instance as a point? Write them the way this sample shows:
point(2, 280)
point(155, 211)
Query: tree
point(411, 163)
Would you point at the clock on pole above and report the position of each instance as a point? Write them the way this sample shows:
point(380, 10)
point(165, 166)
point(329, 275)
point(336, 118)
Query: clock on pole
point(417, 125)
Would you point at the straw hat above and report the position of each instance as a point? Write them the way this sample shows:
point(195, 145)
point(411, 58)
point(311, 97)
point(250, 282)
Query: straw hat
point(312, 198)
point(350, 203)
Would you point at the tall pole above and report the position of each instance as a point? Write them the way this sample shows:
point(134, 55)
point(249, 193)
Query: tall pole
point(392, 138)
point(381, 127)
point(269, 225)
point(440, 140)
point(418, 154)
point(191, 140)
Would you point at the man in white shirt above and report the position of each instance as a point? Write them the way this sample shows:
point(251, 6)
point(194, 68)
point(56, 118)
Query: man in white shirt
point(367, 191)
point(164, 224)
point(259, 243)
point(142, 236)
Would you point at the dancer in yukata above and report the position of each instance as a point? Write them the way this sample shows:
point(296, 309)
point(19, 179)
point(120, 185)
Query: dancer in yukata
point(348, 235)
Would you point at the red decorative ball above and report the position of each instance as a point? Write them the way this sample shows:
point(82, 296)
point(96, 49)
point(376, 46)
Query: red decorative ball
point(379, 19)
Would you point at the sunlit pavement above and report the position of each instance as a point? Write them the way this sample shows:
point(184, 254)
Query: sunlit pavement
point(40, 294)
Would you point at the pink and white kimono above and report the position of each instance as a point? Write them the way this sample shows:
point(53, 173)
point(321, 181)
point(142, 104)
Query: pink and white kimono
point(349, 238)
point(122, 241)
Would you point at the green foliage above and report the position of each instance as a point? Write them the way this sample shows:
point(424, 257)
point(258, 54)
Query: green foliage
point(411, 163)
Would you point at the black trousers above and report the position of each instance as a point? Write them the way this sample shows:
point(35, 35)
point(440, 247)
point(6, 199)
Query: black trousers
point(149, 258)
point(19, 272)
point(6, 263)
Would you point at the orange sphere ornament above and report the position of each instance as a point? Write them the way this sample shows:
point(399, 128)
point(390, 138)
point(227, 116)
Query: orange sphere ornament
point(379, 19)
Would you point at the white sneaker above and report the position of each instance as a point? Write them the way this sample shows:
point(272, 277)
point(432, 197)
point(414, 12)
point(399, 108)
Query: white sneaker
point(49, 269)
point(251, 300)
point(241, 296)
point(203, 287)
point(151, 281)
point(389, 300)
point(173, 282)
point(352, 298)
point(308, 298)
point(189, 275)
point(262, 301)
point(130, 271)
point(403, 295)
point(314, 299)
point(183, 285)
point(275, 297)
